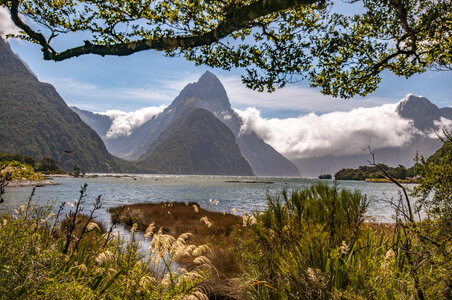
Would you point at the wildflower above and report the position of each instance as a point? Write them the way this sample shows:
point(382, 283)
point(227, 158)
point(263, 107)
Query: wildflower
point(166, 280)
point(70, 204)
point(83, 268)
point(233, 210)
point(344, 248)
point(245, 220)
point(150, 230)
point(197, 295)
point(315, 276)
point(195, 207)
point(146, 280)
point(252, 221)
point(5, 221)
point(134, 228)
point(201, 260)
point(22, 208)
point(200, 250)
point(51, 215)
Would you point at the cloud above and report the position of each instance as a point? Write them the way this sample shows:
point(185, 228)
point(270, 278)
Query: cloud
point(335, 133)
point(439, 125)
point(6, 25)
point(124, 122)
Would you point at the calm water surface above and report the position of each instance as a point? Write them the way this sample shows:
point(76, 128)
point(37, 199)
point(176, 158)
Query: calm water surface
point(245, 194)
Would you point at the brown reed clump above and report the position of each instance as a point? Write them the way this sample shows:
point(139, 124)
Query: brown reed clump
point(176, 218)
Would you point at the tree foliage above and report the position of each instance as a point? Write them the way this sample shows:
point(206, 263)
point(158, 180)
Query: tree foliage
point(277, 41)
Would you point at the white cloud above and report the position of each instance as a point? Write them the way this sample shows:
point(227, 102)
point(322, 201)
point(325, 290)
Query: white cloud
point(439, 125)
point(335, 133)
point(124, 122)
point(6, 25)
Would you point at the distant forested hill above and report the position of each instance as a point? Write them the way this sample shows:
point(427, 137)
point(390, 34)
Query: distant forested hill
point(372, 172)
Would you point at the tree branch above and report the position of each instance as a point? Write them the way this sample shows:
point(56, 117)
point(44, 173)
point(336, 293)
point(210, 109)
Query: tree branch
point(235, 19)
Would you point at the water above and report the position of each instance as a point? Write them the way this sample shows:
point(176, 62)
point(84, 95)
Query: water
point(245, 194)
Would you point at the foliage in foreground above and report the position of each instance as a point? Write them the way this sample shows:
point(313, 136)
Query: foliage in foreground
point(314, 245)
point(38, 260)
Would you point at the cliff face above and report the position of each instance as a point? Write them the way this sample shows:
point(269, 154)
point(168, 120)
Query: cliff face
point(35, 121)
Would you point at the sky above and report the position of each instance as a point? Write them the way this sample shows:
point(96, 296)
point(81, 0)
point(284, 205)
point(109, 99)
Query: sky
point(149, 78)
point(133, 88)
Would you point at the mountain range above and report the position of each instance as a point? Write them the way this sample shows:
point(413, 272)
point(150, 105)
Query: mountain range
point(184, 139)
point(198, 133)
point(209, 94)
point(423, 115)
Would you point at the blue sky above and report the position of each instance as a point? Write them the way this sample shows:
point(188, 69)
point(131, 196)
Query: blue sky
point(151, 79)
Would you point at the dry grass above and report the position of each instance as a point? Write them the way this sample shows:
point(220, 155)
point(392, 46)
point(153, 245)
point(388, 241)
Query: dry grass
point(176, 218)
point(217, 230)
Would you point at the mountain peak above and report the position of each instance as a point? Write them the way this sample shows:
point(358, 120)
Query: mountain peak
point(207, 93)
point(420, 110)
point(208, 76)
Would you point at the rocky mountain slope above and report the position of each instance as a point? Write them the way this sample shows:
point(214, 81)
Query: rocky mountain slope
point(424, 116)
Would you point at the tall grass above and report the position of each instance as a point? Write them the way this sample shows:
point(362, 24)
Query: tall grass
point(315, 244)
point(80, 260)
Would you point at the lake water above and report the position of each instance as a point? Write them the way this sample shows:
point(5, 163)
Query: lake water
point(245, 194)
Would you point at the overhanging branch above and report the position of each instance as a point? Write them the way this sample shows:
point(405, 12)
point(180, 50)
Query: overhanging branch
point(235, 19)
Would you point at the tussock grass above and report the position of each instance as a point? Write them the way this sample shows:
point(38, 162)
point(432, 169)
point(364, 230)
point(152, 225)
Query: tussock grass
point(176, 218)
point(42, 257)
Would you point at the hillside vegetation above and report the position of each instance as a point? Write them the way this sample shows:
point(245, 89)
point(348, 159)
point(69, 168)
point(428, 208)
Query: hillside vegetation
point(197, 144)
point(373, 172)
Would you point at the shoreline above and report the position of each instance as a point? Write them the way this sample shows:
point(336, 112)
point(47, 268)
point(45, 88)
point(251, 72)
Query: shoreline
point(26, 183)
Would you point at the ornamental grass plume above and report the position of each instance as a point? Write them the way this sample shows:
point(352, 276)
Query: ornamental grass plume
point(149, 230)
point(104, 257)
point(92, 226)
point(344, 248)
point(206, 221)
point(195, 208)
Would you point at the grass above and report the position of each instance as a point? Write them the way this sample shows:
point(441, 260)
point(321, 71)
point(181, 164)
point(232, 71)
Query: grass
point(220, 231)
point(44, 255)
point(308, 244)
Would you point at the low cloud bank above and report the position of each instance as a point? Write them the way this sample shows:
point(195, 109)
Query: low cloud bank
point(335, 133)
point(123, 123)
